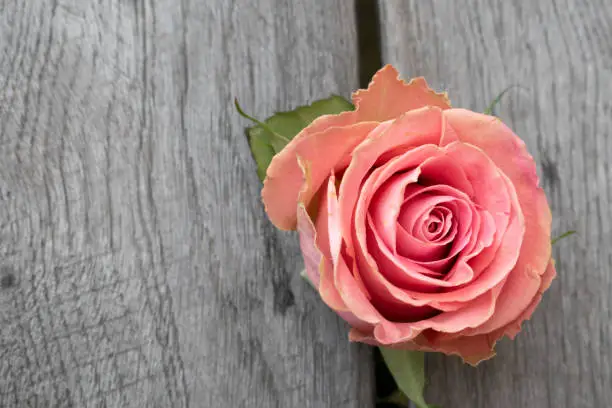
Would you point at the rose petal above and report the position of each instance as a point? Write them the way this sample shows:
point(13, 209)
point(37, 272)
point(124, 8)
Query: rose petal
point(418, 205)
point(310, 252)
point(472, 350)
point(516, 301)
point(513, 328)
point(374, 103)
point(447, 171)
point(549, 276)
point(386, 203)
point(417, 250)
point(286, 183)
point(344, 281)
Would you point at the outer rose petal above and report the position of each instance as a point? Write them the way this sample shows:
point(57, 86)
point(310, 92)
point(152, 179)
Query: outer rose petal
point(387, 96)
point(513, 328)
point(517, 294)
point(310, 252)
point(347, 286)
point(324, 151)
point(475, 348)
point(372, 104)
point(472, 350)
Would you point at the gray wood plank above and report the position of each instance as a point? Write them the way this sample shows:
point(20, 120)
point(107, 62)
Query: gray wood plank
point(138, 267)
point(559, 52)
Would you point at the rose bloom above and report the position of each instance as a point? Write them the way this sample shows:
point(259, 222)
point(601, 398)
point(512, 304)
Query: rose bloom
point(421, 225)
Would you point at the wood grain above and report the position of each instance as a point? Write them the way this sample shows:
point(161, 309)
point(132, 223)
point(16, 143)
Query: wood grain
point(559, 53)
point(138, 268)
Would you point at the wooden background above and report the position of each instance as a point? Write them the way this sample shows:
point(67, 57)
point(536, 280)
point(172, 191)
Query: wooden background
point(137, 268)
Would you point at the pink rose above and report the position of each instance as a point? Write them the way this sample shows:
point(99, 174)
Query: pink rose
point(422, 226)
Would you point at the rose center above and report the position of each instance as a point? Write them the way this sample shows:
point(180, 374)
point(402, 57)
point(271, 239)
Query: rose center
point(434, 225)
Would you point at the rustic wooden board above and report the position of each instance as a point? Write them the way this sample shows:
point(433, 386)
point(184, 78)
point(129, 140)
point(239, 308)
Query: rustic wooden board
point(138, 267)
point(559, 53)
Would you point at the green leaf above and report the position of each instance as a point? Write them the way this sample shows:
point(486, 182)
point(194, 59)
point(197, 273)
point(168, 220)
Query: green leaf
point(564, 235)
point(269, 137)
point(261, 149)
point(408, 369)
point(491, 108)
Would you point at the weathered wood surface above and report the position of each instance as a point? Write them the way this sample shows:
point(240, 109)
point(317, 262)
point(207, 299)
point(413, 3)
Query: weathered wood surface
point(559, 53)
point(138, 267)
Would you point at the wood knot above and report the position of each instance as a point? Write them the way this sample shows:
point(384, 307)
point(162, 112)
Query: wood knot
point(7, 278)
point(549, 171)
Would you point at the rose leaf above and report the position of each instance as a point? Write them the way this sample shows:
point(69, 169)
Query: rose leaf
point(408, 369)
point(267, 138)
